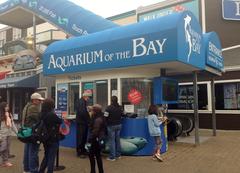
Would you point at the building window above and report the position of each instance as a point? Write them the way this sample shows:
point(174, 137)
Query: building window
point(136, 95)
point(186, 98)
point(114, 91)
point(227, 96)
point(73, 97)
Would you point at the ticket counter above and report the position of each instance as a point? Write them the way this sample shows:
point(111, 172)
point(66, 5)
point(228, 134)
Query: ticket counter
point(135, 138)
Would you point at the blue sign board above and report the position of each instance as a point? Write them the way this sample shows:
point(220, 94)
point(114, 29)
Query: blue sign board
point(231, 9)
point(213, 51)
point(64, 14)
point(150, 42)
point(192, 6)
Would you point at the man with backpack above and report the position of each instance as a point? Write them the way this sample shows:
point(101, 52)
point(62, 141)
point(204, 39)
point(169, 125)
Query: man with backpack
point(30, 117)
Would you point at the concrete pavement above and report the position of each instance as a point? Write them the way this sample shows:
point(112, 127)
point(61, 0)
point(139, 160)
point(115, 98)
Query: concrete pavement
point(220, 154)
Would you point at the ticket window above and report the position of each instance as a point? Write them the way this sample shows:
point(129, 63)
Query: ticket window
point(136, 96)
point(73, 97)
point(102, 93)
point(98, 91)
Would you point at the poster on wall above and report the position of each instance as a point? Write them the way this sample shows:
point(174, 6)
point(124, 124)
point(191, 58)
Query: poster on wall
point(62, 95)
point(134, 96)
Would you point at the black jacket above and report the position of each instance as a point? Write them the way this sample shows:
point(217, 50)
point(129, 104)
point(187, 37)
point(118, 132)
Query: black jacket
point(115, 114)
point(82, 115)
point(97, 127)
point(52, 122)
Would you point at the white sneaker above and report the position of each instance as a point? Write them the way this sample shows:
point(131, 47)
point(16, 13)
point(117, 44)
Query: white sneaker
point(111, 159)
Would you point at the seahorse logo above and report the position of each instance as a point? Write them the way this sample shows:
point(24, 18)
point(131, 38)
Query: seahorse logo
point(187, 28)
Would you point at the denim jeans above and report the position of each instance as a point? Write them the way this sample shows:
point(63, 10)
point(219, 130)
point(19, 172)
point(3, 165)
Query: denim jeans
point(114, 141)
point(30, 158)
point(50, 151)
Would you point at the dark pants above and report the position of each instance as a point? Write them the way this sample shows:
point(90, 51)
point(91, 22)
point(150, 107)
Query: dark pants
point(50, 151)
point(95, 152)
point(81, 132)
point(30, 158)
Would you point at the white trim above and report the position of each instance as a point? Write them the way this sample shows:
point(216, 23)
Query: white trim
point(80, 89)
point(179, 111)
point(203, 16)
point(191, 83)
point(119, 88)
point(209, 97)
point(232, 68)
point(230, 48)
point(227, 81)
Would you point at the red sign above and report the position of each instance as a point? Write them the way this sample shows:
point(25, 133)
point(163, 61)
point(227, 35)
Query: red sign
point(134, 96)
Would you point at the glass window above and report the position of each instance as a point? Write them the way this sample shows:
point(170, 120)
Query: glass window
point(102, 93)
point(227, 96)
point(186, 98)
point(73, 97)
point(137, 93)
point(114, 91)
point(89, 88)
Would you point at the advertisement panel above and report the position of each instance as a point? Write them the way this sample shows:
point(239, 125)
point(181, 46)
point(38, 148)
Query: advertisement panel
point(192, 6)
point(231, 9)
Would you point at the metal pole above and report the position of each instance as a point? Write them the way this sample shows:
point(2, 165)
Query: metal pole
point(34, 32)
point(213, 108)
point(196, 117)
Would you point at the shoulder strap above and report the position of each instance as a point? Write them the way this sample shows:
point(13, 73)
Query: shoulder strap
point(24, 116)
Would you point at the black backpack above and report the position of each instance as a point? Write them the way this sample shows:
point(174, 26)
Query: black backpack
point(40, 132)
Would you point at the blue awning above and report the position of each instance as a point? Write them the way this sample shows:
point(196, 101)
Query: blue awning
point(172, 38)
point(20, 82)
point(64, 14)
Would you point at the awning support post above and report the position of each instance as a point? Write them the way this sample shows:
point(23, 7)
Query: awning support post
point(213, 108)
point(196, 116)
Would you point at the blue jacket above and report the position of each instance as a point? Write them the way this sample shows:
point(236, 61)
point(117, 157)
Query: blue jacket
point(154, 125)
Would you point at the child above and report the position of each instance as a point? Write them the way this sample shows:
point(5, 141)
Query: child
point(154, 130)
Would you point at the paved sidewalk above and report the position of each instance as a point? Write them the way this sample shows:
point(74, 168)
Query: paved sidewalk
point(219, 154)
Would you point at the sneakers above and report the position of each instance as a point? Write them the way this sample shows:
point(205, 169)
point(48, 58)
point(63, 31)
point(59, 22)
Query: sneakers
point(119, 157)
point(109, 159)
point(158, 156)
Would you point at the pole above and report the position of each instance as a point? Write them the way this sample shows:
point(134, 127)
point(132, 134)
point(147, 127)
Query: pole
point(57, 167)
point(34, 32)
point(196, 117)
point(214, 125)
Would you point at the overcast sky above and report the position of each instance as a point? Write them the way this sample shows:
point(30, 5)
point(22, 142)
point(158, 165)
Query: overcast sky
point(107, 8)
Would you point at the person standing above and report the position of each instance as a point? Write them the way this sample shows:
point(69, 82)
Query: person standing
point(82, 123)
point(5, 132)
point(30, 117)
point(52, 122)
point(113, 114)
point(154, 130)
point(97, 134)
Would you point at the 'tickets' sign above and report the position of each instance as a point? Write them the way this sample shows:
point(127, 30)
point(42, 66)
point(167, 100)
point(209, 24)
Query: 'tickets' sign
point(135, 96)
